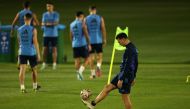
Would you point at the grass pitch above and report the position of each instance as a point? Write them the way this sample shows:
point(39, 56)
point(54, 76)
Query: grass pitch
point(158, 86)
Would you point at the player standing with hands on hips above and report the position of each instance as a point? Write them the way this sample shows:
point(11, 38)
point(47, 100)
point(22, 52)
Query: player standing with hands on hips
point(125, 78)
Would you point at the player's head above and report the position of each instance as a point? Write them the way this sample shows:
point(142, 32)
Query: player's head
point(122, 38)
point(26, 4)
point(80, 15)
point(92, 9)
point(28, 17)
point(49, 6)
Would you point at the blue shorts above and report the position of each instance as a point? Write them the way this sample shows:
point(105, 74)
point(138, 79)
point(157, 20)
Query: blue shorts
point(32, 60)
point(126, 87)
point(79, 52)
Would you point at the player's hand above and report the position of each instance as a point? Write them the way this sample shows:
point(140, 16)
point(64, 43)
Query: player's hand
point(104, 43)
point(38, 58)
point(133, 82)
point(12, 33)
point(89, 48)
point(119, 83)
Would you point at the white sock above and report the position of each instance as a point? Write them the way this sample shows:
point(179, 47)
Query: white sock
point(93, 72)
point(54, 64)
point(99, 65)
point(22, 86)
point(81, 69)
point(44, 64)
point(35, 85)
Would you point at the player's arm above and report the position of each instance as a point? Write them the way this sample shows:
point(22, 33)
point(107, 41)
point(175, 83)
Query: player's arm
point(71, 36)
point(103, 28)
point(35, 41)
point(84, 27)
point(35, 22)
point(43, 20)
point(14, 22)
point(129, 60)
point(56, 22)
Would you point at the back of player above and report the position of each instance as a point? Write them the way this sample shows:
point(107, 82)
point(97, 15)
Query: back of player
point(26, 47)
point(28, 51)
point(93, 22)
point(77, 33)
point(22, 13)
point(80, 40)
point(97, 33)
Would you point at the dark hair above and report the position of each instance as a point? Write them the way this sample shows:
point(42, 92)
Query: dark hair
point(79, 13)
point(49, 2)
point(92, 7)
point(26, 4)
point(28, 16)
point(121, 35)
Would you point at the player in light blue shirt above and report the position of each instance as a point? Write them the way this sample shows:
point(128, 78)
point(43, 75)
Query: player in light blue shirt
point(20, 18)
point(28, 51)
point(80, 43)
point(50, 20)
point(97, 32)
point(20, 15)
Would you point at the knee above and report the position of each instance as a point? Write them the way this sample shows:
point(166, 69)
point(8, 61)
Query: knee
point(54, 49)
point(77, 65)
point(107, 88)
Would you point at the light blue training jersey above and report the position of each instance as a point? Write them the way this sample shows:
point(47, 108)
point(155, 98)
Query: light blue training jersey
point(79, 39)
point(93, 22)
point(50, 31)
point(22, 13)
point(25, 38)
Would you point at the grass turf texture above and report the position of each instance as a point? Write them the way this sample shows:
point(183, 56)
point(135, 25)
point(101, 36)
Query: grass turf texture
point(160, 30)
point(158, 86)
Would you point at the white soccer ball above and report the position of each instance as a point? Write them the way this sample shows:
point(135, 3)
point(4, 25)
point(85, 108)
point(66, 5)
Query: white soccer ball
point(85, 94)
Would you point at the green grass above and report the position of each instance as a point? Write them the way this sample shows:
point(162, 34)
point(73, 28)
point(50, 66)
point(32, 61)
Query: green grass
point(159, 29)
point(158, 86)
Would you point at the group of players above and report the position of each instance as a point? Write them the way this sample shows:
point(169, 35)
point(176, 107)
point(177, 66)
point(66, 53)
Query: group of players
point(88, 35)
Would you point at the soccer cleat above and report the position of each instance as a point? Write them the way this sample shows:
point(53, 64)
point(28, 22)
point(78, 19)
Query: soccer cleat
point(43, 66)
point(23, 90)
point(98, 72)
point(88, 104)
point(79, 76)
point(36, 89)
point(92, 76)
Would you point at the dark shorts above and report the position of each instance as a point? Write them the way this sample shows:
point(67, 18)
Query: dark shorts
point(96, 48)
point(126, 87)
point(79, 52)
point(32, 60)
point(50, 41)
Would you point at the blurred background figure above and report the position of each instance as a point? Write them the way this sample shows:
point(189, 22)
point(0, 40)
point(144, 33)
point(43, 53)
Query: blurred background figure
point(80, 43)
point(97, 33)
point(50, 20)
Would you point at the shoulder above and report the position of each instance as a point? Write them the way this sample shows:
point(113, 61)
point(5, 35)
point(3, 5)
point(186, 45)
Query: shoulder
point(131, 47)
point(56, 13)
point(45, 13)
point(87, 16)
point(20, 12)
point(21, 27)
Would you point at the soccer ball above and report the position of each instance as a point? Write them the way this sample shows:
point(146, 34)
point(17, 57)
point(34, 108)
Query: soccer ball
point(85, 94)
